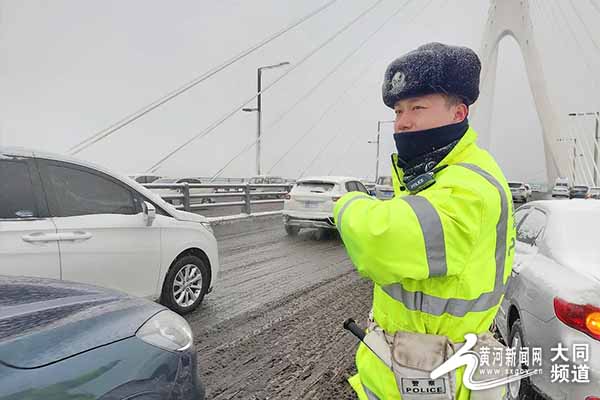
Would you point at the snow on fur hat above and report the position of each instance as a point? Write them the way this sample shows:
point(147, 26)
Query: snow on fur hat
point(433, 68)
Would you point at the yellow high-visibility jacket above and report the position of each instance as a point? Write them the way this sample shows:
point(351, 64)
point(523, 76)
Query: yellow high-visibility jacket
point(439, 260)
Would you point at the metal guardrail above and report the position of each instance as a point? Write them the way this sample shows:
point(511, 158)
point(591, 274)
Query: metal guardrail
point(183, 199)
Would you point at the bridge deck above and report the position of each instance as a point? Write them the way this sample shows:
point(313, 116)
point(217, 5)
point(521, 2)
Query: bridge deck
point(273, 326)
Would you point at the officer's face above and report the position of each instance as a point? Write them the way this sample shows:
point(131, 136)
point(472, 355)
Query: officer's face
point(427, 112)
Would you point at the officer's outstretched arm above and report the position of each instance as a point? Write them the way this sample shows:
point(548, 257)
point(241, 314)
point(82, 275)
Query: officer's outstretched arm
point(417, 237)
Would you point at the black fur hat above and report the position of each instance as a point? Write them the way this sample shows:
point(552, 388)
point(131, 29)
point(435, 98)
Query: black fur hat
point(433, 68)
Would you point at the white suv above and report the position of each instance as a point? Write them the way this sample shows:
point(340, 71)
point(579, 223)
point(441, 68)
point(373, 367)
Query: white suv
point(310, 202)
point(561, 189)
point(519, 191)
point(66, 219)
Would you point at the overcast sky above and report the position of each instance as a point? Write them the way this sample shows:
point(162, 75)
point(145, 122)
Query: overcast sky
point(70, 68)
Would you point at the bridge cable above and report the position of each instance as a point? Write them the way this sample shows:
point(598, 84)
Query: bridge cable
point(322, 149)
point(550, 16)
point(573, 34)
point(586, 173)
point(326, 112)
point(578, 143)
point(171, 95)
point(546, 17)
point(596, 6)
point(590, 145)
point(590, 35)
point(309, 93)
point(229, 114)
point(356, 138)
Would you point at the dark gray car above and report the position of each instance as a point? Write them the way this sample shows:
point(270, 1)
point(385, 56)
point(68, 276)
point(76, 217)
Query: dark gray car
point(67, 341)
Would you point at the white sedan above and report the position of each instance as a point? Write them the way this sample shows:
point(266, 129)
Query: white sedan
point(63, 218)
point(310, 203)
point(553, 300)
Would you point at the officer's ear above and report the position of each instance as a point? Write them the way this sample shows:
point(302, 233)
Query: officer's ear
point(460, 112)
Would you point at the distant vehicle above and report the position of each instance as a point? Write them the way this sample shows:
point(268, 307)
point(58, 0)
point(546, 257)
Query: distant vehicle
point(561, 188)
point(384, 189)
point(67, 219)
point(267, 180)
point(176, 191)
point(144, 178)
point(594, 193)
point(65, 340)
point(528, 187)
point(310, 203)
point(579, 192)
point(519, 191)
point(552, 296)
point(369, 185)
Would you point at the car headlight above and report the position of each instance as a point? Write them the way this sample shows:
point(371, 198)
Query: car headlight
point(167, 330)
point(208, 226)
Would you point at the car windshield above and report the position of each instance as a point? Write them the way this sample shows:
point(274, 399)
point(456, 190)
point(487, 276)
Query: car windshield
point(256, 181)
point(561, 184)
point(515, 184)
point(314, 187)
point(580, 188)
point(385, 180)
point(276, 180)
point(165, 180)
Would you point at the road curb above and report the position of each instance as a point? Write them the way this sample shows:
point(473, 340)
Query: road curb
point(230, 219)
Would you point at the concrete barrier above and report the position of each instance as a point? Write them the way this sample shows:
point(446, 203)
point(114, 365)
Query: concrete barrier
point(230, 219)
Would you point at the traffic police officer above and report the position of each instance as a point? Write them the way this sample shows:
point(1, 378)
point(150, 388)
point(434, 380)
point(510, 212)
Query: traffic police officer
point(440, 252)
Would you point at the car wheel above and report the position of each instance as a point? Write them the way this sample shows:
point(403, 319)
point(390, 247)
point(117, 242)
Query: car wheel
point(186, 284)
point(322, 234)
point(519, 390)
point(292, 230)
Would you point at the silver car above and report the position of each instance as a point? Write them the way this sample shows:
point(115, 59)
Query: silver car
point(384, 188)
point(553, 298)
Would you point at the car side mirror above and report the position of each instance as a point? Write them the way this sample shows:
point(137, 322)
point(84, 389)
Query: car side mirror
point(149, 212)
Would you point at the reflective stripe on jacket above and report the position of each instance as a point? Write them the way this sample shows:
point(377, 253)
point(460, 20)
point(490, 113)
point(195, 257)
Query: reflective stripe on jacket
point(439, 260)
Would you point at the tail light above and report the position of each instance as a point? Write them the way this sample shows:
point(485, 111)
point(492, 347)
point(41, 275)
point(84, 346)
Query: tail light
point(584, 318)
point(287, 196)
point(335, 198)
point(592, 398)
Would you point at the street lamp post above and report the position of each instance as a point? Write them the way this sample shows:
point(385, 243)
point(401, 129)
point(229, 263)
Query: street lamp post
point(596, 114)
point(258, 108)
point(574, 140)
point(377, 142)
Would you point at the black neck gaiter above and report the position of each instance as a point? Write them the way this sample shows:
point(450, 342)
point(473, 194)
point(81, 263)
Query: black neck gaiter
point(413, 147)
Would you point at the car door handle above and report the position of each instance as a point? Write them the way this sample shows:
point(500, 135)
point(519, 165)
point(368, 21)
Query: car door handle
point(42, 237)
point(74, 236)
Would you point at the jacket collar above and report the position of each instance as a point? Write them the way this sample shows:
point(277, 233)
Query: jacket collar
point(455, 156)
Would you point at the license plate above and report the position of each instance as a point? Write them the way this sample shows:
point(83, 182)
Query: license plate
point(311, 204)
